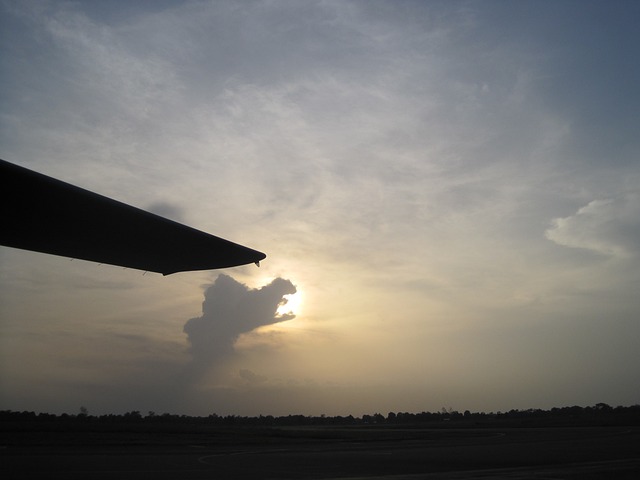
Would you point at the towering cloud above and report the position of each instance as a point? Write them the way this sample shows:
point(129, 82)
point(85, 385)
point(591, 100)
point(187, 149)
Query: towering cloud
point(229, 309)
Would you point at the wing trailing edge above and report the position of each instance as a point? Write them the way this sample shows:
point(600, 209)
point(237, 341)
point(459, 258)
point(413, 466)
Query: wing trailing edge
point(43, 214)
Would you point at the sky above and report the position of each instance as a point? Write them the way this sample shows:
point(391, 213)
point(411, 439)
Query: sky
point(448, 194)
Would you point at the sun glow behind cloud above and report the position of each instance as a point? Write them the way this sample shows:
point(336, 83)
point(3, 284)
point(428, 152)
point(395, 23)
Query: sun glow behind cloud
point(439, 181)
point(293, 305)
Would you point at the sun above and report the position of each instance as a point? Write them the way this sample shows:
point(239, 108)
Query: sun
point(292, 306)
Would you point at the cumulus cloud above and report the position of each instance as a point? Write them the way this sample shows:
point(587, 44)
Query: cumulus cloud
point(609, 227)
point(231, 308)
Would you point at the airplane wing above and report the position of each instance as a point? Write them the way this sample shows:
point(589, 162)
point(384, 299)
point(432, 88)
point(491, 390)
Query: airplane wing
point(42, 214)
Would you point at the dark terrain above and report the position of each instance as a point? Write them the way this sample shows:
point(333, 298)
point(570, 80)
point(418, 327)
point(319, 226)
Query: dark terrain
point(593, 446)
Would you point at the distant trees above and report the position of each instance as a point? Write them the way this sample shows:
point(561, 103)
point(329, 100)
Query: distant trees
point(599, 414)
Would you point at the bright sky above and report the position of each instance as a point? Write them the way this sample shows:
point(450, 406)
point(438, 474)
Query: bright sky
point(453, 188)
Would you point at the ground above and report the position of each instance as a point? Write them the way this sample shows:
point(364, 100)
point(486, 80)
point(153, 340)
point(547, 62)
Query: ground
point(323, 452)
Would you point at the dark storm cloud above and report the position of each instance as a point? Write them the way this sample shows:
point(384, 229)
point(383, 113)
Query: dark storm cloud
point(229, 309)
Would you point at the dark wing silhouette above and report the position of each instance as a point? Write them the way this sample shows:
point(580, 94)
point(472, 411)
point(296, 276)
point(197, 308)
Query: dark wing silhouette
point(46, 215)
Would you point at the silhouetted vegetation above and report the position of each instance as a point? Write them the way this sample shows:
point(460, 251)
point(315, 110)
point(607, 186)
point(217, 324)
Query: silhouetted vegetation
point(600, 414)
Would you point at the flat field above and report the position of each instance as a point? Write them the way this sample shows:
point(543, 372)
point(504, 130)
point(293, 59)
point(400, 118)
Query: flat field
point(410, 452)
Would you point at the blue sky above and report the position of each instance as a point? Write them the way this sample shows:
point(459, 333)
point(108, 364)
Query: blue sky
point(451, 187)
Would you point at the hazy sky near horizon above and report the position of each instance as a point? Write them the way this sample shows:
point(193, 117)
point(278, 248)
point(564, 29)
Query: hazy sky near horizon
point(451, 187)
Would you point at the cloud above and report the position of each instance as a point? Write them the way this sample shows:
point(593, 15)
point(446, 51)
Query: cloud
point(252, 377)
point(608, 227)
point(397, 162)
point(167, 210)
point(231, 308)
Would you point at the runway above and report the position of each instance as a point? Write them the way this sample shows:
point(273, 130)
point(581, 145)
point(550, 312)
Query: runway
point(326, 453)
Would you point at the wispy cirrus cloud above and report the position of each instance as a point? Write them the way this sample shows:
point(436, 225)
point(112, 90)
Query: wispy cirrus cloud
point(429, 174)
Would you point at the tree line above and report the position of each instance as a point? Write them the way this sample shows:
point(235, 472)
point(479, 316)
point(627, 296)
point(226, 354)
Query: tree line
point(600, 413)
